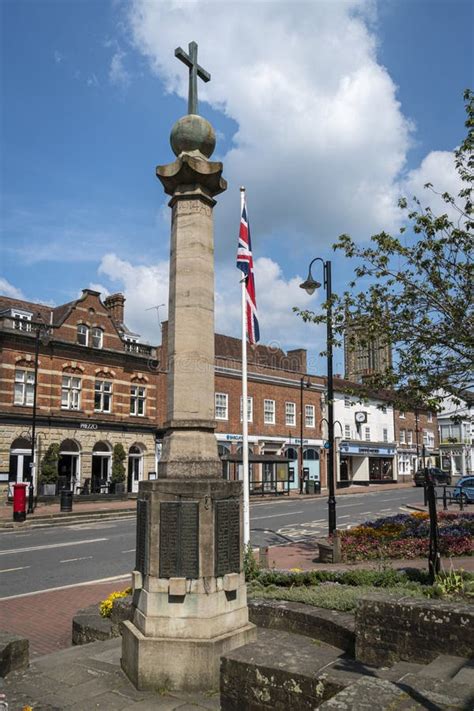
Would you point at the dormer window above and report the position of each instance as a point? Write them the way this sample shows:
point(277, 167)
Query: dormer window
point(82, 335)
point(97, 337)
point(21, 320)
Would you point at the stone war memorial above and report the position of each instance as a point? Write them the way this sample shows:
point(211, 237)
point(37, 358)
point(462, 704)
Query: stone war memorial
point(189, 593)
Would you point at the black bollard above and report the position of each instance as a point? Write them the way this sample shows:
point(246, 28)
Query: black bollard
point(434, 562)
point(31, 498)
point(445, 501)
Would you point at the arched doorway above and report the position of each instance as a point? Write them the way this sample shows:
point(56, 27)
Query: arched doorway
point(135, 467)
point(20, 462)
point(223, 450)
point(292, 453)
point(68, 465)
point(101, 460)
point(311, 464)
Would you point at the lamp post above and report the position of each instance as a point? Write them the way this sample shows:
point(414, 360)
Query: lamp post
point(305, 381)
point(41, 334)
point(310, 285)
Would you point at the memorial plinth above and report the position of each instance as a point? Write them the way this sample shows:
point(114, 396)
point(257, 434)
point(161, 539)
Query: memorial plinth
point(189, 598)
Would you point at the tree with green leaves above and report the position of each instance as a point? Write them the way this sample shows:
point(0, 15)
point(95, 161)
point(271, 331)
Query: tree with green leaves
point(118, 468)
point(414, 291)
point(49, 465)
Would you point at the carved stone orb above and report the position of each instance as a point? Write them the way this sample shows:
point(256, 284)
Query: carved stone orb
point(193, 133)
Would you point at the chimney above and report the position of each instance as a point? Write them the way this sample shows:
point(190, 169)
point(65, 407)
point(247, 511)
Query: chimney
point(298, 359)
point(115, 304)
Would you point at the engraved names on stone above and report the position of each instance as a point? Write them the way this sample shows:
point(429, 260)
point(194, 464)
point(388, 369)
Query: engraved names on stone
point(227, 537)
point(142, 524)
point(179, 539)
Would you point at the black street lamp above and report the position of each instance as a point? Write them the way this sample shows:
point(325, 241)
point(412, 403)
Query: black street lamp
point(305, 381)
point(310, 286)
point(42, 333)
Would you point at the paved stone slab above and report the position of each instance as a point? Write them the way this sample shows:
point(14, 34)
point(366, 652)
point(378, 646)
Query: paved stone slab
point(445, 694)
point(370, 693)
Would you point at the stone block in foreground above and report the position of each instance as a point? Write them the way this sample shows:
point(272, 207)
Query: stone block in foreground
point(14, 653)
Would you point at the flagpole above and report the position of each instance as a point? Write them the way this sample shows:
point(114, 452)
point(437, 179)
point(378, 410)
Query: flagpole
point(245, 434)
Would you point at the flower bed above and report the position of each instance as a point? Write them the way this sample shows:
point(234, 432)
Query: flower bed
point(407, 536)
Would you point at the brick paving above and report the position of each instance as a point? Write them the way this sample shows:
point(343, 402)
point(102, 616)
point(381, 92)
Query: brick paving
point(46, 618)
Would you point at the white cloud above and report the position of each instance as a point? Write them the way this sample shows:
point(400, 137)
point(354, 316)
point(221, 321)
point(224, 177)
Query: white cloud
point(321, 136)
point(8, 289)
point(146, 286)
point(438, 169)
point(93, 81)
point(58, 57)
point(118, 74)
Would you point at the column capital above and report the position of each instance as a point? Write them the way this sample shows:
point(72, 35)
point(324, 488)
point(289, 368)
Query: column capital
point(188, 172)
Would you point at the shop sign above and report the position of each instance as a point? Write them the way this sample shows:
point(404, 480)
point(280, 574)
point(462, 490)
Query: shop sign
point(370, 451)
point(88, 426)
point(234, 438)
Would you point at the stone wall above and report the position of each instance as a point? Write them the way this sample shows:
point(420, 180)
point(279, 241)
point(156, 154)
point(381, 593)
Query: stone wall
point(390, 628)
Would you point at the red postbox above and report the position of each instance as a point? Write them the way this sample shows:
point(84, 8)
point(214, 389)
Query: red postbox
point(19, 501)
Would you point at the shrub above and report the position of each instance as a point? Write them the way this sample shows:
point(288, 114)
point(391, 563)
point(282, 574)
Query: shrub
point(118, 469)
point(49, 465)
point(251, 565)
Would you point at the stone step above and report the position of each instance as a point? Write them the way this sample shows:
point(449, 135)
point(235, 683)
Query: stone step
point(466, 674)
point(439, 693)
point(446, 666)
point(370, 693)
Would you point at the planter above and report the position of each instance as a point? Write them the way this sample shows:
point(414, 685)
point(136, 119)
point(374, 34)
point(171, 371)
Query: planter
point(47, 489)
point(117, 487)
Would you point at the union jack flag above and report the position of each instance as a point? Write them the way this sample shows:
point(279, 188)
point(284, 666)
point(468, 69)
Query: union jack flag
point(245, 264)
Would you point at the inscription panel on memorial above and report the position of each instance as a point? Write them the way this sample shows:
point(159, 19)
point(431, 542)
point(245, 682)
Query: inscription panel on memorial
point(227, 537)
point(179, 539)
point(142, 524)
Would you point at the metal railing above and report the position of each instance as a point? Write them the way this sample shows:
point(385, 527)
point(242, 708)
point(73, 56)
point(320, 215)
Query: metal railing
point(447, 497)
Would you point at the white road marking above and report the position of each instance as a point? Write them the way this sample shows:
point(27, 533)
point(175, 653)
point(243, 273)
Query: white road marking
point(289, 513)
point(345, 516)
point(73, 560)
point(10, 570)
point(130, 550)
point(51, 545)
point(125, 576)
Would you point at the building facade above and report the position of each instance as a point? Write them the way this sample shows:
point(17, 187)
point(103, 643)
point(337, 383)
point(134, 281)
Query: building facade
point(413, 431)
point(456, 433)
point(97, 386)
point(366, 452)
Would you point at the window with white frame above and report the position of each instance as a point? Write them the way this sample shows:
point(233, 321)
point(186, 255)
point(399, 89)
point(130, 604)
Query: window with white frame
point(430, 417)
point(290, 414)
point(385, 434)
point(367, 434)
point(70, 393)
point(222, 406)
point(428, 438)
point(22, 320)
point(384, 409)
point(97, 337)
point(402, 415)
point(347, 401)
point(102, 396)
point(402, 437)
point(309, 416)
point(410, 437)
point(24, 387)
point(137, 400)
point(249, 409)
point(269, 412)
point(82, 334)
point(347, 431)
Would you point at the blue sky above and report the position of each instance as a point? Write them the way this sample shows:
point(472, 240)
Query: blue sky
point(326, 115)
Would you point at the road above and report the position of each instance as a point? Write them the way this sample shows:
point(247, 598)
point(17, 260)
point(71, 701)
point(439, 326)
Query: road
point(46, 558)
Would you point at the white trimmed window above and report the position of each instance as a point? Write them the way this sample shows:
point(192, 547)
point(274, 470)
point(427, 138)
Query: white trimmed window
point(249, 409)
point(430, 417)
point(222, 406)
point(347, 401)
point(410, 437)
point(402, 437)
point(269, 412)
point(70, 393)
point(82, 334)
point(385, 434)
point(347, 431)
point(290, 414)
point(402, 415)
point(24, 387)
point(97, 339)
point(102, 396)
point(309, 416)
point(22, 321)
point(367, 434)
point(428, 438)
point(137, 400)
point(384, 409)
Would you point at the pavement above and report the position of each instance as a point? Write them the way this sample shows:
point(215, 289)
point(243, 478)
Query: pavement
point(89, 677)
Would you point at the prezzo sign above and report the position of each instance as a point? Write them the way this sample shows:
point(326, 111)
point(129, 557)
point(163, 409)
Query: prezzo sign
point(234, 438)
point(371, 451)
point(88, 426)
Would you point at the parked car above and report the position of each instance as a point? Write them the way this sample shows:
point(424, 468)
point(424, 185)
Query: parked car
point(465, 489)
point(439, 476)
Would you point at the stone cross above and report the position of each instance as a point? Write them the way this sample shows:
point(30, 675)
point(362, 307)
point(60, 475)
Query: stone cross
point(195, 71)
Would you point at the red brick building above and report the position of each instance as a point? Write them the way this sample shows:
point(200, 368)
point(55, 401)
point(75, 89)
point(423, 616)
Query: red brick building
point(412, 431)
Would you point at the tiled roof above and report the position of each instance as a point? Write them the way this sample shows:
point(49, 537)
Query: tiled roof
point(231, 348)
point(6, 302)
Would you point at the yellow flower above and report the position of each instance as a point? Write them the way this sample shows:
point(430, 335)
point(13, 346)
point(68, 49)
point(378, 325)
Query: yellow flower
point(105, 607)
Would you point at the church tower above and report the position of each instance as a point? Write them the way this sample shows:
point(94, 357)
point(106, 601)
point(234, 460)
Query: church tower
point(364, 355)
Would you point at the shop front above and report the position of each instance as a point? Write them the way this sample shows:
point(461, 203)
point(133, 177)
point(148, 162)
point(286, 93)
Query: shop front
point(366, 464)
